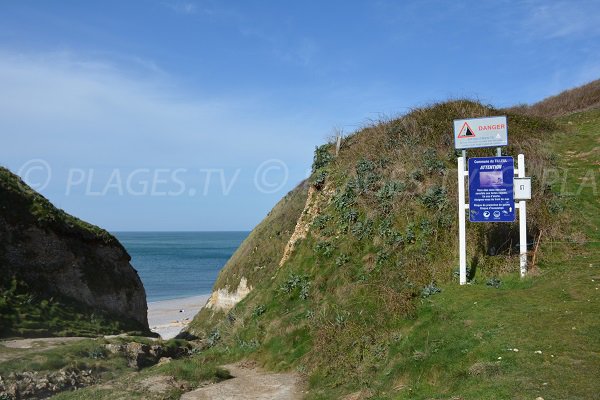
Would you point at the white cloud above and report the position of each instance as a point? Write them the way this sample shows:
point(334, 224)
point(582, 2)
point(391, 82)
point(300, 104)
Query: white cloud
point(182, 7)
point(552, 20)
point(64, 108)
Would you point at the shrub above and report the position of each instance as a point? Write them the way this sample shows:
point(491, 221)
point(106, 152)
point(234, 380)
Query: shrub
point(350, 216)
point(494, 282)
point(342, 259)
point(394, 238)
point(389, 190)
point(363, 229)
point(409, 234)
point(322, 157)
point(431, 163)
point(298, 283)
point(320, 221)
point(318, 180)
point(417, 175)
point(430, 290)
point(426, 227)
point(324, 248)
point(97, 353)
point(213, 338)
point(382, 258)
point(345, 198)
point(366, 175)
point(435, 197)
point(385, 228)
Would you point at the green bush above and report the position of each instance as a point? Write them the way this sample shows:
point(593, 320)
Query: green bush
point(345, 198)
point(366, 175)
point(259, 310)
point(321, 220)
point(362, 229)
point(324, 248)
point(389, 190)
point(318, 179)
point(435, 197)
point(296, 284)
point(431, 163)
point(342, 259)
point(322, 157)
point(417, 175)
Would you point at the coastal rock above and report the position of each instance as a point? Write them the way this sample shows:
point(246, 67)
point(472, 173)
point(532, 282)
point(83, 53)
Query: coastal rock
point(164, 360)
point(36, 385)
point(140, 355)
point(58, 254)
point(225, 300)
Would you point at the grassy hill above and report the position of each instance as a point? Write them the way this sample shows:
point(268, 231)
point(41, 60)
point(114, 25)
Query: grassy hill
point(578, 99)
point(368, 301)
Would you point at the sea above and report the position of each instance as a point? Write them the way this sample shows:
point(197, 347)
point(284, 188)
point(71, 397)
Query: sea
point(174, 265)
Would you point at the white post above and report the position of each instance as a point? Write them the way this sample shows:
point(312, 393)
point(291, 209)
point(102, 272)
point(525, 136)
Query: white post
point(338, 144)
point(462, 240)
point(522, 222)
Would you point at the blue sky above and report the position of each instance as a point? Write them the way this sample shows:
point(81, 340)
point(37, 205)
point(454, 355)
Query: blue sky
point(200, 115)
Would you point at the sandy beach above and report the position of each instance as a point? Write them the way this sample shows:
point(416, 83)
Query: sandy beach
point(169, 317)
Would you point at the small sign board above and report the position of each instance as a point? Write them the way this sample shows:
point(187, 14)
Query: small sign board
point(480, 132)
point(491, 197)
point(522, 188)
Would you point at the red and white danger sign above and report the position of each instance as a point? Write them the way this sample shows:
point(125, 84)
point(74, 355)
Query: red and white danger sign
point(480, 132)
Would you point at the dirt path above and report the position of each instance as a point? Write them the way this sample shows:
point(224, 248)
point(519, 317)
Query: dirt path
point(251, 383)
point(10, 349)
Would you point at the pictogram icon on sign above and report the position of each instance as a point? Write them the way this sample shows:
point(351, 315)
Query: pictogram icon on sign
point(466, 131)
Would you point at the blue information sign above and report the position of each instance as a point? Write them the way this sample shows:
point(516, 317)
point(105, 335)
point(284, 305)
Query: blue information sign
point(491, 196)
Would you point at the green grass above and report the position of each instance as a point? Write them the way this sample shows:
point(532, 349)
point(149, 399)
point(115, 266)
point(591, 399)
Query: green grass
point(25, 313)
point(84, 354)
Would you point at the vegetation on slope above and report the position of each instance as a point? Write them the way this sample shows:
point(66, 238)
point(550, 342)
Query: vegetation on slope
point(502, 338)
point(32, 313)
point(578, 99)
point(340, 309)
point(259, 254)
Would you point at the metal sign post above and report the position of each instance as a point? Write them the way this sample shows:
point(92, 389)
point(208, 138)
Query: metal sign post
point(496, 189)
point(462, 234)
point(522, 221)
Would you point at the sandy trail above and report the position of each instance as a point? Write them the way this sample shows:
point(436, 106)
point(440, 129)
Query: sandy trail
point(250, 383)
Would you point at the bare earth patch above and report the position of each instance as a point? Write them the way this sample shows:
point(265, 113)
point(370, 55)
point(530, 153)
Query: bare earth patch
point(250, 382)
point(10, 349)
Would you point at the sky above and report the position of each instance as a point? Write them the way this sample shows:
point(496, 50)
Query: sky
point(174, 115)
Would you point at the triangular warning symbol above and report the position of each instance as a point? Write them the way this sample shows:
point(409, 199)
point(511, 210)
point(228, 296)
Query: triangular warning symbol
point(466, 131)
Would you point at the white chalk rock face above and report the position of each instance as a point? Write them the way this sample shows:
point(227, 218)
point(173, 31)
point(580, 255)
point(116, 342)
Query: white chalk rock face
point(224, 300)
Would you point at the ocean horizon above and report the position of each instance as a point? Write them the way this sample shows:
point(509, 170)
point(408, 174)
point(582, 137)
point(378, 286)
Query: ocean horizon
point(179, 264)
